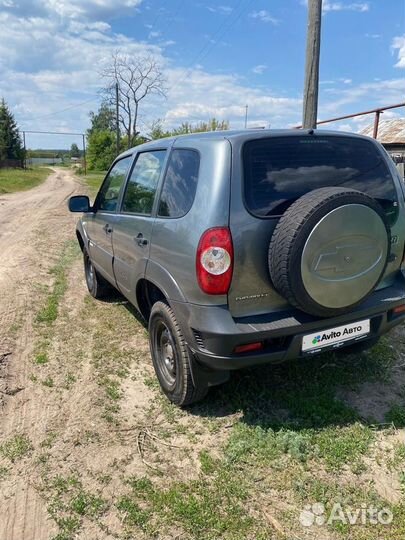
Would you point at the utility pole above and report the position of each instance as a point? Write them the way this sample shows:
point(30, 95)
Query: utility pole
point(84, 154)
point(310, 105)
point(117, 118)
point(246, 115)
point(25, 152)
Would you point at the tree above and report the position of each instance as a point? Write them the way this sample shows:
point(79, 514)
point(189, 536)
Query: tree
point(103, 119)
point(74, 151)
point(157, 131)
point(101, 144)
point(101, 150)
point(137, 78)
point(10, 141)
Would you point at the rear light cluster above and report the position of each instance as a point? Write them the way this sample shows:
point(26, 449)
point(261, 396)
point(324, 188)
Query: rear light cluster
point(250, 347)
point(214, 264)
point(399, 309)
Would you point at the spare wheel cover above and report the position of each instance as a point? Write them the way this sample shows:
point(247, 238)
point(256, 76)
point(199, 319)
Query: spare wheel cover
point(344, 256)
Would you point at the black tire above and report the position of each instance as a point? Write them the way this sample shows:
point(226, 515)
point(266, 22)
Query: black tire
point(289, 238)
point(171, 357)
point(97, 286)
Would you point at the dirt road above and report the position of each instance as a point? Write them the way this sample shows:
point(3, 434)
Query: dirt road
point(34, 226)
point(23, 217)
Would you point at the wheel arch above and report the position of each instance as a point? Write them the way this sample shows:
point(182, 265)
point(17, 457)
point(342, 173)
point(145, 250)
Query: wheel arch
point(80, 239)
point(147, 294)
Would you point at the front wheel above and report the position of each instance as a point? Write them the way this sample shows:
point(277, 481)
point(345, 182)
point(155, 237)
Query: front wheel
point(171, 357)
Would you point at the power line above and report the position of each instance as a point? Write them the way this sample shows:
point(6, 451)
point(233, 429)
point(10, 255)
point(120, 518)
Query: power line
point(70, 107)
point(221, 31)
point(54, 132)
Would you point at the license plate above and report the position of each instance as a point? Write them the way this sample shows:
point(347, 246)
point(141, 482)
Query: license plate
point(332, 336)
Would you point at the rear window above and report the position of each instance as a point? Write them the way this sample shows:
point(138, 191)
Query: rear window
point(180, 184)
point(279, 170)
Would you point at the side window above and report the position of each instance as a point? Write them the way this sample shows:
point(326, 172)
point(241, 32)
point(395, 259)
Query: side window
point(180, 184)
point(141, 188)
point(108, 195)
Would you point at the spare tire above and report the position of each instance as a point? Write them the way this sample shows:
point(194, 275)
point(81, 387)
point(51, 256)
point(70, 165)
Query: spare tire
point(329, 250)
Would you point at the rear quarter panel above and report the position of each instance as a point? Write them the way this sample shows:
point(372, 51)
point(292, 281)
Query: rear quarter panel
point(174, 241)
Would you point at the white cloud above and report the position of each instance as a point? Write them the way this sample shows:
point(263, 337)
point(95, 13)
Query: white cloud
point(79, 27)
point(88, 8)
point(198, 95)
point(259, 69)
point(384, 92)
point(373, 36)
point(70, 9)
point(154, 34)
point(330, 5)
point(263, 16)
point(398, 44)
point(226, 10)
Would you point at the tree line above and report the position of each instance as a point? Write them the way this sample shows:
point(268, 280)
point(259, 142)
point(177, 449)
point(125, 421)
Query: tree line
point(11, 147)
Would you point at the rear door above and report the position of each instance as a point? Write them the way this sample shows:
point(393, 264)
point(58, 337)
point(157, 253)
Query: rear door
point(133, 228)
point(102, 221)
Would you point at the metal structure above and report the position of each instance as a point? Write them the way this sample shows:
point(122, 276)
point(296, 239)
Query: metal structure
point(377, 112)
point(57, 133)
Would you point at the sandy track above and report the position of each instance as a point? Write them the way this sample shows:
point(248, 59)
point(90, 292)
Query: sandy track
point(23, 217)
point(33, 227)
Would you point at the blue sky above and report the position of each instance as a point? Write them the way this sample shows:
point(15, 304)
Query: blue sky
point(216, 56)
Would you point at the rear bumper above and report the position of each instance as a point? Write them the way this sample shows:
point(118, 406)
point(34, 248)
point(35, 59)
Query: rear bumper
point(213, 334)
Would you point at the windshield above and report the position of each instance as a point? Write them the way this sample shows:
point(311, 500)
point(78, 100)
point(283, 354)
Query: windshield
point(279, 170)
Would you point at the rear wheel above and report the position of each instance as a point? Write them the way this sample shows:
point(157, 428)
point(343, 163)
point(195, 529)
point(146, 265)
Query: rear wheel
point(172, 358)
point(98, 287)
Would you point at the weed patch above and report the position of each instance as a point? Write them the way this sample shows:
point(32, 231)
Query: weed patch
point(16, 447)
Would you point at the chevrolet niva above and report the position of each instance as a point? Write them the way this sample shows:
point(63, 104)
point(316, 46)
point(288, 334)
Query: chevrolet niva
point(246, 247)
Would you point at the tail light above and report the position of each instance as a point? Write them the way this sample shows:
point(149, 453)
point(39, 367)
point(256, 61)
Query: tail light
point(214, 264)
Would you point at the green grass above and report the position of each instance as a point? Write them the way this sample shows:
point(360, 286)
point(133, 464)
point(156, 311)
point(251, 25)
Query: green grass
point(41, 358)
point(206, 508)
point(346, 445)
point(16, 447)
point(93, 180)
point(49, 312)
point(396, 415)
point(12, 180)
point(69, 502)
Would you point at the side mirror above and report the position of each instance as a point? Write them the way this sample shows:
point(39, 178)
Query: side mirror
point(79, 203)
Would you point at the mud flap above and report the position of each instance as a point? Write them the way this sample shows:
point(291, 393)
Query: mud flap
point(205, 377)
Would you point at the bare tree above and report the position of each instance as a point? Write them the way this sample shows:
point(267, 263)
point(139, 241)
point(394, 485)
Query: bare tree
point(137, 78)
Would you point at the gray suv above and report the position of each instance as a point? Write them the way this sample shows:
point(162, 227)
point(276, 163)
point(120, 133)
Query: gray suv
point(247, 247)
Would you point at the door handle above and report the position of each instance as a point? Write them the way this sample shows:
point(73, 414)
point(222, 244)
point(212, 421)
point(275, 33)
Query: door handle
point(140, 240)
point(107, 228)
